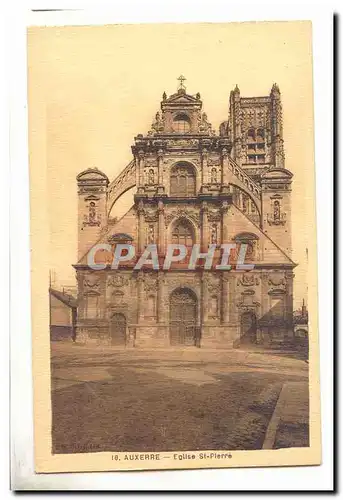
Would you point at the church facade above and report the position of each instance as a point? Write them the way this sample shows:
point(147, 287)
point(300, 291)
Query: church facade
point(192, 187)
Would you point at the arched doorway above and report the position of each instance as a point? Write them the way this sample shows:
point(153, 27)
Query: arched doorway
point(118, 329)
point(183, 314)
point(248, 327)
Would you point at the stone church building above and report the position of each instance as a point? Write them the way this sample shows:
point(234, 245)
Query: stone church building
point(193, 186)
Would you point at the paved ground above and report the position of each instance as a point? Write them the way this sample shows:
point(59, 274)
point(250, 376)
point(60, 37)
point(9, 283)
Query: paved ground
point(121, 399)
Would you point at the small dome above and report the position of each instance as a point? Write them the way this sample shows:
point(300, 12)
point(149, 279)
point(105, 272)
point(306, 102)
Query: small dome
point(92, 173)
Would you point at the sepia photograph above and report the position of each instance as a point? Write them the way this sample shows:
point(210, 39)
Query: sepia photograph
point(174, 306)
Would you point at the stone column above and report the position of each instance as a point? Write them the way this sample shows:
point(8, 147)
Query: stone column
point(204, 167)
point(249, 205)
point(160, 298)
point(204, 232)
point(233, 311)
point(140, 297)
point(141, 158)
point(161, 228)
point(225, 167)
point(162, 313)
point(204, 297)
point(225, 298)
point(160, 166)
point(264, 293)
point(137, 162)
point(240, 204)
point(265, 306)
point(225, 222)
point(141, 242)
point(289, 275)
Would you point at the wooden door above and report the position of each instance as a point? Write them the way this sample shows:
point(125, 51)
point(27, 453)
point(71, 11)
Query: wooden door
point(118, 329)
point(183, 310)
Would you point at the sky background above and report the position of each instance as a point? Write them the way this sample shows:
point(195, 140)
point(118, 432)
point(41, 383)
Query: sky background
point(93, 88)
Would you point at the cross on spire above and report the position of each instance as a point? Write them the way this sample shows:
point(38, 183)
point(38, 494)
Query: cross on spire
point(181, 80)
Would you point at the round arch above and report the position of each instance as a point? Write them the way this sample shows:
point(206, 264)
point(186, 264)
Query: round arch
point(183, 179)
point(182, 228)
point(127, 201)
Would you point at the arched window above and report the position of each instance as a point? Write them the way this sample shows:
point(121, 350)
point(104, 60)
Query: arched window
point(183, 234)
point(181, 124)
point(182, 180)
point(251, 242)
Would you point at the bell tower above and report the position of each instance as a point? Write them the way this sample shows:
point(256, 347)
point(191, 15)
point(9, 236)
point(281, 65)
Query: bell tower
point(255, 129)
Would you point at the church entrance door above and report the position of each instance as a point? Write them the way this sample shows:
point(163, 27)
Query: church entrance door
point(248, 327)
point(183, 313)
point(118, 329)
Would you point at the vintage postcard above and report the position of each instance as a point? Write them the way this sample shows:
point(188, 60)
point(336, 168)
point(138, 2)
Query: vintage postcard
point(173, 236)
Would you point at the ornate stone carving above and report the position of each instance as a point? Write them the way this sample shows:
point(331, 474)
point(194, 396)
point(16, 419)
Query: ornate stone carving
point(150, 283)
point(277, 282)
point(188, 214)
point(204, 126)
point(214, 215)
point(150, 237)
point(150, 214)
point(248, 280)
point(150, 162)
point(276, 217)
point(284, 187)
point(158, 124)
point(214, 233)
point(214, 162)
point(212, 283)
point(117, 281)
point(182, 143)
point(93, 218)
point(91, 284)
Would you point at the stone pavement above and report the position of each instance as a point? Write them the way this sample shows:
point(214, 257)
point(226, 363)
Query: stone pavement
point(74, 364)
point(229, 398)
point(289, 422)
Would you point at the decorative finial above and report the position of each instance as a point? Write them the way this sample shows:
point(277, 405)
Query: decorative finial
point(275, 88)
point(164, 96)
point(181, 80)
point(236, 88)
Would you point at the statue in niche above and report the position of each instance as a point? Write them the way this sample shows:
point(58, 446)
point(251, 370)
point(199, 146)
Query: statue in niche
point(93, 219)
point(214, 234)
point(277, 210)
point(151, 234)
point(151, 177)
point(92, 213)
point(214, 177)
